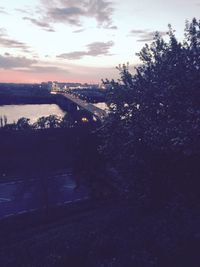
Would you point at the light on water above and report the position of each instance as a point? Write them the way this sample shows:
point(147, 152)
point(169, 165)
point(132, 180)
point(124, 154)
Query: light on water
point(101, 105)
point(30, 111)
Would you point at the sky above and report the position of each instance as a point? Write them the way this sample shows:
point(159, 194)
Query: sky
point(81, 40)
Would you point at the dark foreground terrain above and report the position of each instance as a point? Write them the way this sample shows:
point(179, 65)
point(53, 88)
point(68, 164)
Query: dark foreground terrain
point(95, 235)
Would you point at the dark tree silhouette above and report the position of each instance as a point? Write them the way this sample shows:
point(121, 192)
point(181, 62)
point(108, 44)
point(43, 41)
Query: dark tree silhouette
point(153, 130)
point(23, 124)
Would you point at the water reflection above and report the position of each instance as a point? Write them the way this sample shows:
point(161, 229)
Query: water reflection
point(101, 105)
point(31, 111)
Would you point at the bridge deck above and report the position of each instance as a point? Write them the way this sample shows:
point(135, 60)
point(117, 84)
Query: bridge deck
point(97, 112)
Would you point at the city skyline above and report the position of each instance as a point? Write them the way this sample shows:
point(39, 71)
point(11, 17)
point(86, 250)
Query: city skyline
point(81, 41)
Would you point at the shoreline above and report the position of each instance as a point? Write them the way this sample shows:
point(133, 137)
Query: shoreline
point(23, 100)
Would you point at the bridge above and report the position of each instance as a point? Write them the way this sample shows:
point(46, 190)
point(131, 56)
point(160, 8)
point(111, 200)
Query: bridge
point(98, 113)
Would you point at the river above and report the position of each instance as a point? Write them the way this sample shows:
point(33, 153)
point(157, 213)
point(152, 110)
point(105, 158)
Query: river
point(101, 105)
point(30, 111)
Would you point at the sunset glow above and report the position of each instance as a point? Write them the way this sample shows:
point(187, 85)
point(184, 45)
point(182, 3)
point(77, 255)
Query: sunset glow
point(81, 41)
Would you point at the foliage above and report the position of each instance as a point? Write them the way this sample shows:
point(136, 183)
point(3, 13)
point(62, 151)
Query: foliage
point(154, 121)
point(3, 121)
point(49, 122)
point(23, 124)
point(67, 121)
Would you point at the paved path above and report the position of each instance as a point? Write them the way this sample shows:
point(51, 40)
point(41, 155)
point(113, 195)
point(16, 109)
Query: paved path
point(21, 196)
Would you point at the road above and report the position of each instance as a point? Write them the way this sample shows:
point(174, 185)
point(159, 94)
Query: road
point(27, 195)
point(97, 112)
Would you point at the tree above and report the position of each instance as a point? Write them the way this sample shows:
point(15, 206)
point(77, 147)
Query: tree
point(53, 121)
point(154, 120)
point(23, 124)
point(67, 121)
point(1, 122)
point(41, 123)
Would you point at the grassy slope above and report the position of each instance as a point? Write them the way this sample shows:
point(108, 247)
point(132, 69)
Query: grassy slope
point(106, 236)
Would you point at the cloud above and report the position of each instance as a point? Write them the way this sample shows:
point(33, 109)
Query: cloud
point(78, 31)
point(45, 25)
point(73, 55)
point(137, 32)
point(102, 11)
point(99, 48)
point(46, 69)
point(2, 31)
point(23, 64)
point(70, 15)
point(73, 12)
point(10, 62)
point(72, 73)
point(10, 43)
point(24, 11)
point(145, 35)
point(93, 49)
point(112, 27)
point(3, 11)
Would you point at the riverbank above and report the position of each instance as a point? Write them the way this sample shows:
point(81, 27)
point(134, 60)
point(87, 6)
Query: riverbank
point(118, 235)
point(22, 100)
point(29, 152)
